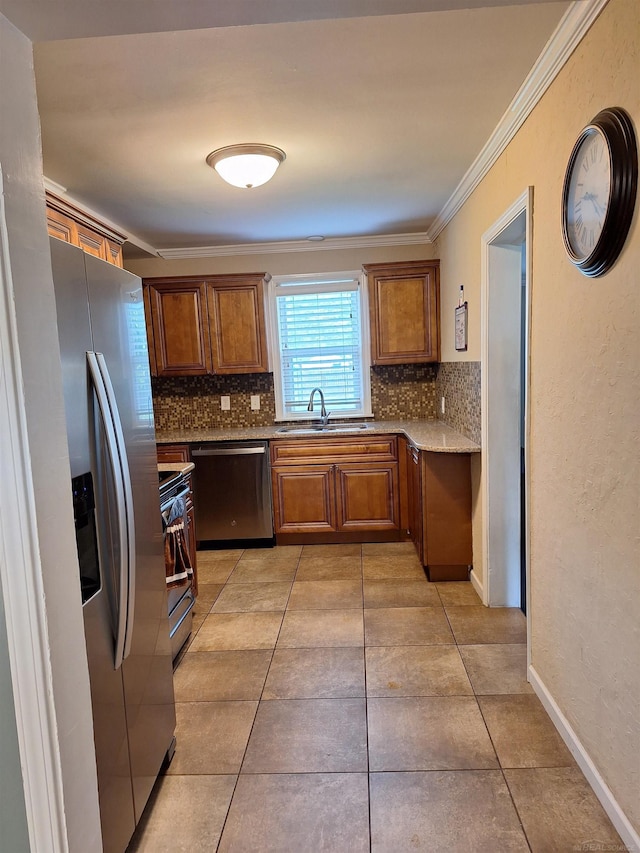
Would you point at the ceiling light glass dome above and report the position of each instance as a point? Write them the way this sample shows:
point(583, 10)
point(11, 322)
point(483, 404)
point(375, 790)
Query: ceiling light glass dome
point(246, 166)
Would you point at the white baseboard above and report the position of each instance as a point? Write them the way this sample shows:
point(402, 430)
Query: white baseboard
point(477, 585)
point(602, 791)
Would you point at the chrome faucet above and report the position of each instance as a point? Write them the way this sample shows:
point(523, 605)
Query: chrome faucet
point(324, 414)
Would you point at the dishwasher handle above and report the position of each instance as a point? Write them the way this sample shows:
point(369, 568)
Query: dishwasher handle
point(229, 451)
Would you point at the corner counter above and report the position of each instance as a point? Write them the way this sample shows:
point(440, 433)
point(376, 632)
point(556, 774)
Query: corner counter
point(431, 435)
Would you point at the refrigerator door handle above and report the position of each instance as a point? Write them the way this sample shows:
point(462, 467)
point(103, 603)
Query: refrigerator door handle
point(128, 499)
point(121, 511)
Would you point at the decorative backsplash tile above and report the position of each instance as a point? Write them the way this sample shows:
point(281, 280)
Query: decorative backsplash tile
point(193, 402)
point(459, 383)
point(404, 392)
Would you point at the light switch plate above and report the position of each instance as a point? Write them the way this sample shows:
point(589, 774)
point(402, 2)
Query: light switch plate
point(255, 402)
point(225, 404)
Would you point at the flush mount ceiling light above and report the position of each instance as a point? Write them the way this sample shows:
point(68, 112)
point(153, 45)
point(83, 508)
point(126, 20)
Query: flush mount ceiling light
point(247, 165)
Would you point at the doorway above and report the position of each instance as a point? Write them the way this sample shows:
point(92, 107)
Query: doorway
point(506, 300)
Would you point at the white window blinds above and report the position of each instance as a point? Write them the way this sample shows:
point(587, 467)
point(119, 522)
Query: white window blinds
point(319, 326)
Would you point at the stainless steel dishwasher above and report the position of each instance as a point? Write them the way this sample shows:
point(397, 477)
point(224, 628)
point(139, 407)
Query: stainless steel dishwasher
point(232, 491)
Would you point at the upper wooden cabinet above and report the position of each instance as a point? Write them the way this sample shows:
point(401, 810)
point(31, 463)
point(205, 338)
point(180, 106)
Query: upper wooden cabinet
point(206, 325)
point(72, 225)
point(179, 328)
point(404, 306)
point(236, 312)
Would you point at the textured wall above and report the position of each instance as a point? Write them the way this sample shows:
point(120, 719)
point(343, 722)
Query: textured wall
point(585, 405)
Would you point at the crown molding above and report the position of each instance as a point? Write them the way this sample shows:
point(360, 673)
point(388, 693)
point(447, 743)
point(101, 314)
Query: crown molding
point(59, 198)
point(332, 243)
point(565, 38)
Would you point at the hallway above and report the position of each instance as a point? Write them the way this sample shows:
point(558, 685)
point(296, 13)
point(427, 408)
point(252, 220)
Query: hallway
point(332, 699)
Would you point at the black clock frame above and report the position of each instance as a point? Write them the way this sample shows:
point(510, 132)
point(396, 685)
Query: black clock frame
point(617, 128)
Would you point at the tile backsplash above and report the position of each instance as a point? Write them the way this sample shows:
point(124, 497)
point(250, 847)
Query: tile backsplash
point(404, 392)
point(193, 402)
point(401, 392)
point(459, 383)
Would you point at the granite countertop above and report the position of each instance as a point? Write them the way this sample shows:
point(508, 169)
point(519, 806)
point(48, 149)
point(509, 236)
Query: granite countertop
point(182, 467)
point(432, 435)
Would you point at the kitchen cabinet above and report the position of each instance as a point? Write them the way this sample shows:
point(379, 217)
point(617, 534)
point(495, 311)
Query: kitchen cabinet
point(207, 325)
point(68, 223)
point(179, 327)
point(439, 487)
point(404, 309)
point(335, 489)
point(237, 323)
point(181, 454)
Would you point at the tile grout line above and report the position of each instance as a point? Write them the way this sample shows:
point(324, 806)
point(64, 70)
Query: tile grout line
point(226, 816)
point(366, 701)
point(493, 746)
point(244, 754)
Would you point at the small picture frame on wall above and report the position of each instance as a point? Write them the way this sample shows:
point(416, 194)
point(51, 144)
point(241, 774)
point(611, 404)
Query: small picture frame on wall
point(461, 327)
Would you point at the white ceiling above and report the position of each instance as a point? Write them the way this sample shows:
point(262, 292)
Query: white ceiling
point(380, 114)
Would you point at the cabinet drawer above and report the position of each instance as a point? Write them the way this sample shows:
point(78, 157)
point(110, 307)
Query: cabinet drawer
point(173, 453)
point(378, 448)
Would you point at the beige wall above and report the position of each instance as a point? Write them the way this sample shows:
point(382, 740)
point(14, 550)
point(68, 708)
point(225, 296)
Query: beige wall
point(585, 410)
point(286, 263)
point(35, 314)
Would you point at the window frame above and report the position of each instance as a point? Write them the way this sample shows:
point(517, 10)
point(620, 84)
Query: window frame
point(325, 282)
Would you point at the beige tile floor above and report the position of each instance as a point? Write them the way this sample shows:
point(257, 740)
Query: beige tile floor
point(332, 699)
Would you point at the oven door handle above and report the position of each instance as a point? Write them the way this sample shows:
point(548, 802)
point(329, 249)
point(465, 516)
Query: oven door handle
point(183, 493)
point(124, 502)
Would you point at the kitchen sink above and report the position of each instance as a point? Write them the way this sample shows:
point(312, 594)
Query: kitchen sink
point(313, 428)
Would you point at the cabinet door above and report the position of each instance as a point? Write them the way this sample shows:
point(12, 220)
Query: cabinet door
point(114, 253)
point(304, 499)
point(91, 242)
point(404, 312)
point(367, 496)
point(179, 326)
point(237, 327)
point(61, 226)
point(446, 490)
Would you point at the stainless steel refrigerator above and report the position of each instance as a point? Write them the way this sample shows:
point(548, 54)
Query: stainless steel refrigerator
point(114, 474)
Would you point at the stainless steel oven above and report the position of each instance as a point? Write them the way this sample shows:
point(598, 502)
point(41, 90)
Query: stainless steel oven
point(173, 495)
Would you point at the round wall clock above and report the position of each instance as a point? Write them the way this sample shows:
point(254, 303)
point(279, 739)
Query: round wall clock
point(599, 192)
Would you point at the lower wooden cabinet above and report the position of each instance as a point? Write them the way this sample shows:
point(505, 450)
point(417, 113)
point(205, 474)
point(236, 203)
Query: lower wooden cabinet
point(304, 499)
point(337, 501)
point(367, 496)
point(439, 486)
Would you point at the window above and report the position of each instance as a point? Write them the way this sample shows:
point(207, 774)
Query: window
point(319, 328)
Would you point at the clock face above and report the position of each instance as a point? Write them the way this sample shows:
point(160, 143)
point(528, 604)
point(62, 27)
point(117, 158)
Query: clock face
point(599, 192)
point(588, 194)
